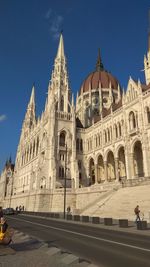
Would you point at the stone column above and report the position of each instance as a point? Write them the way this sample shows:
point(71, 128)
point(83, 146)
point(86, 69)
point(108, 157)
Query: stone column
point(105, 171)
point(96, 173)
point(128, 164)
point(132, 165)
point(117, 169)
point(145, 161)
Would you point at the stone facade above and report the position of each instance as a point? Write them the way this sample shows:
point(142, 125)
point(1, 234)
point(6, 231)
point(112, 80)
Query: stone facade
point(99, 143)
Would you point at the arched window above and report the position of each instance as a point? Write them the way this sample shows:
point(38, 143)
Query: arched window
point(132, 120)
point(105, 136)
point(62, 172)
point(37, 146)
point(62, 139)
point(148, 115)
point(81, 145)
point(95, 140)
point(59, 172)
point(119, 129)
point(62, 104)
point(116, 131)
point(108, 135)
point(77, 144)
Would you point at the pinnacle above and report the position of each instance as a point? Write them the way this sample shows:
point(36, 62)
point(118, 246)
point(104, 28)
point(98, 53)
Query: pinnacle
point(99, 64)
point(60, 52)
point(32, 98)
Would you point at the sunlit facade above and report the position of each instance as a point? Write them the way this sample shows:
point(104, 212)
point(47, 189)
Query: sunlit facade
point(102, 140)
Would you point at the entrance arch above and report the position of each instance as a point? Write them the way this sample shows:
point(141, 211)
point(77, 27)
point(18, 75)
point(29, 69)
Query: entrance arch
point(111, 166)
point(138, 159)
point(100, 169)
point(122, 163)
point(91, 171)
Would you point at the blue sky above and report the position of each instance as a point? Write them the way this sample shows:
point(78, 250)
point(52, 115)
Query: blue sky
point(29, 33)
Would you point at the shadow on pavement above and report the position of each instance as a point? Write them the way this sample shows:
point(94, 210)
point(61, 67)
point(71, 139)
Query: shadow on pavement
point(26, 245)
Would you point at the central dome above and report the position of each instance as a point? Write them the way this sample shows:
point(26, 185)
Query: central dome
point(100, 78)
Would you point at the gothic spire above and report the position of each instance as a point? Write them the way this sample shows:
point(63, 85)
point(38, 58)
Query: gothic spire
point(32, 97)
point(60, 52)
point(30, 113)
point(99, 64)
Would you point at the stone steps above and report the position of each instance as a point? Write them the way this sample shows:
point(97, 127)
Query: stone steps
point(28, 251)
point(122, 203)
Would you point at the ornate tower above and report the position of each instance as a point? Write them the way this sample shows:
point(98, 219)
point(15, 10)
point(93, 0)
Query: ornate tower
point(61, 149)
point(59, 84)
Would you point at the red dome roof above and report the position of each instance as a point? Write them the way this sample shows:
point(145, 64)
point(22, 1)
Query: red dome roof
point(96, 78)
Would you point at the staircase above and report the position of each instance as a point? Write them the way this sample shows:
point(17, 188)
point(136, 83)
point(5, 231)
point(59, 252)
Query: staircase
point(121, 203)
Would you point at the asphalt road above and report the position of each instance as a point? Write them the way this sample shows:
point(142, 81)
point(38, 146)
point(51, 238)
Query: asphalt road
point(103, 247)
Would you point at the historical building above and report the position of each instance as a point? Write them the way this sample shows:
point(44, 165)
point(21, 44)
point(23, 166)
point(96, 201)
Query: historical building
point(100, 142)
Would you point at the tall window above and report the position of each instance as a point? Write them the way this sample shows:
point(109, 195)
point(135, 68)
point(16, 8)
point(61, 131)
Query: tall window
point(62, 139)
point(77, 144)
point(62, 104)
point(132, 120)
point(148, 115)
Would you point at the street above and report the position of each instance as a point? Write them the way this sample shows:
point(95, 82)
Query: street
point(103, 247)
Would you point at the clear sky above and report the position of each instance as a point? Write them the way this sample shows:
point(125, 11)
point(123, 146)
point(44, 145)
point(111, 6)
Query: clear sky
point(29, 33)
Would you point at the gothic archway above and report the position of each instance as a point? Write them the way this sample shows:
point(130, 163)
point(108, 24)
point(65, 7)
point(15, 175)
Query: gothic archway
point(100, 170)
point(111, 166)
point(138, 159)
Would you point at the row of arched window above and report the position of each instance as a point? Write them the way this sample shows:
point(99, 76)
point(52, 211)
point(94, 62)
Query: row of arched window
point(132, 94)
point(30, 152)
point(23, 181)
point(107, 136)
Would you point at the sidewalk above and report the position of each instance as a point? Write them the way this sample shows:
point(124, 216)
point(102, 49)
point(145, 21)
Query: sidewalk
point(132, 228)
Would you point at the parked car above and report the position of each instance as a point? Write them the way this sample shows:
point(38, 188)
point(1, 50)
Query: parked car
point(9, 211)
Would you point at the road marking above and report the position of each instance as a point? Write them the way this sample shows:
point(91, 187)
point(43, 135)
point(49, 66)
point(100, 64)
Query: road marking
point(89, 236)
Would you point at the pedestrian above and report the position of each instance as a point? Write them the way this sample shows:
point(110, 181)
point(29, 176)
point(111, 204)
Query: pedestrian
point(1, 212)
point(137, 213)
point(20, 208)
point(68, 210)
point(5, 233)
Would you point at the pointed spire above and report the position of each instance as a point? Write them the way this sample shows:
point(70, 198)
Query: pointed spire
point(99, 64)
point(72, 102)
point(119, 92)
point(60, 52)
point(32, 97)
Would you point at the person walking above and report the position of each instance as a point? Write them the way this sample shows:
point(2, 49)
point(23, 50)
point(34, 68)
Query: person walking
point(137, 213)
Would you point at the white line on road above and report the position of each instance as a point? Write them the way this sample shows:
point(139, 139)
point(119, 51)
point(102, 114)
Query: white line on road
point(89, 236)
